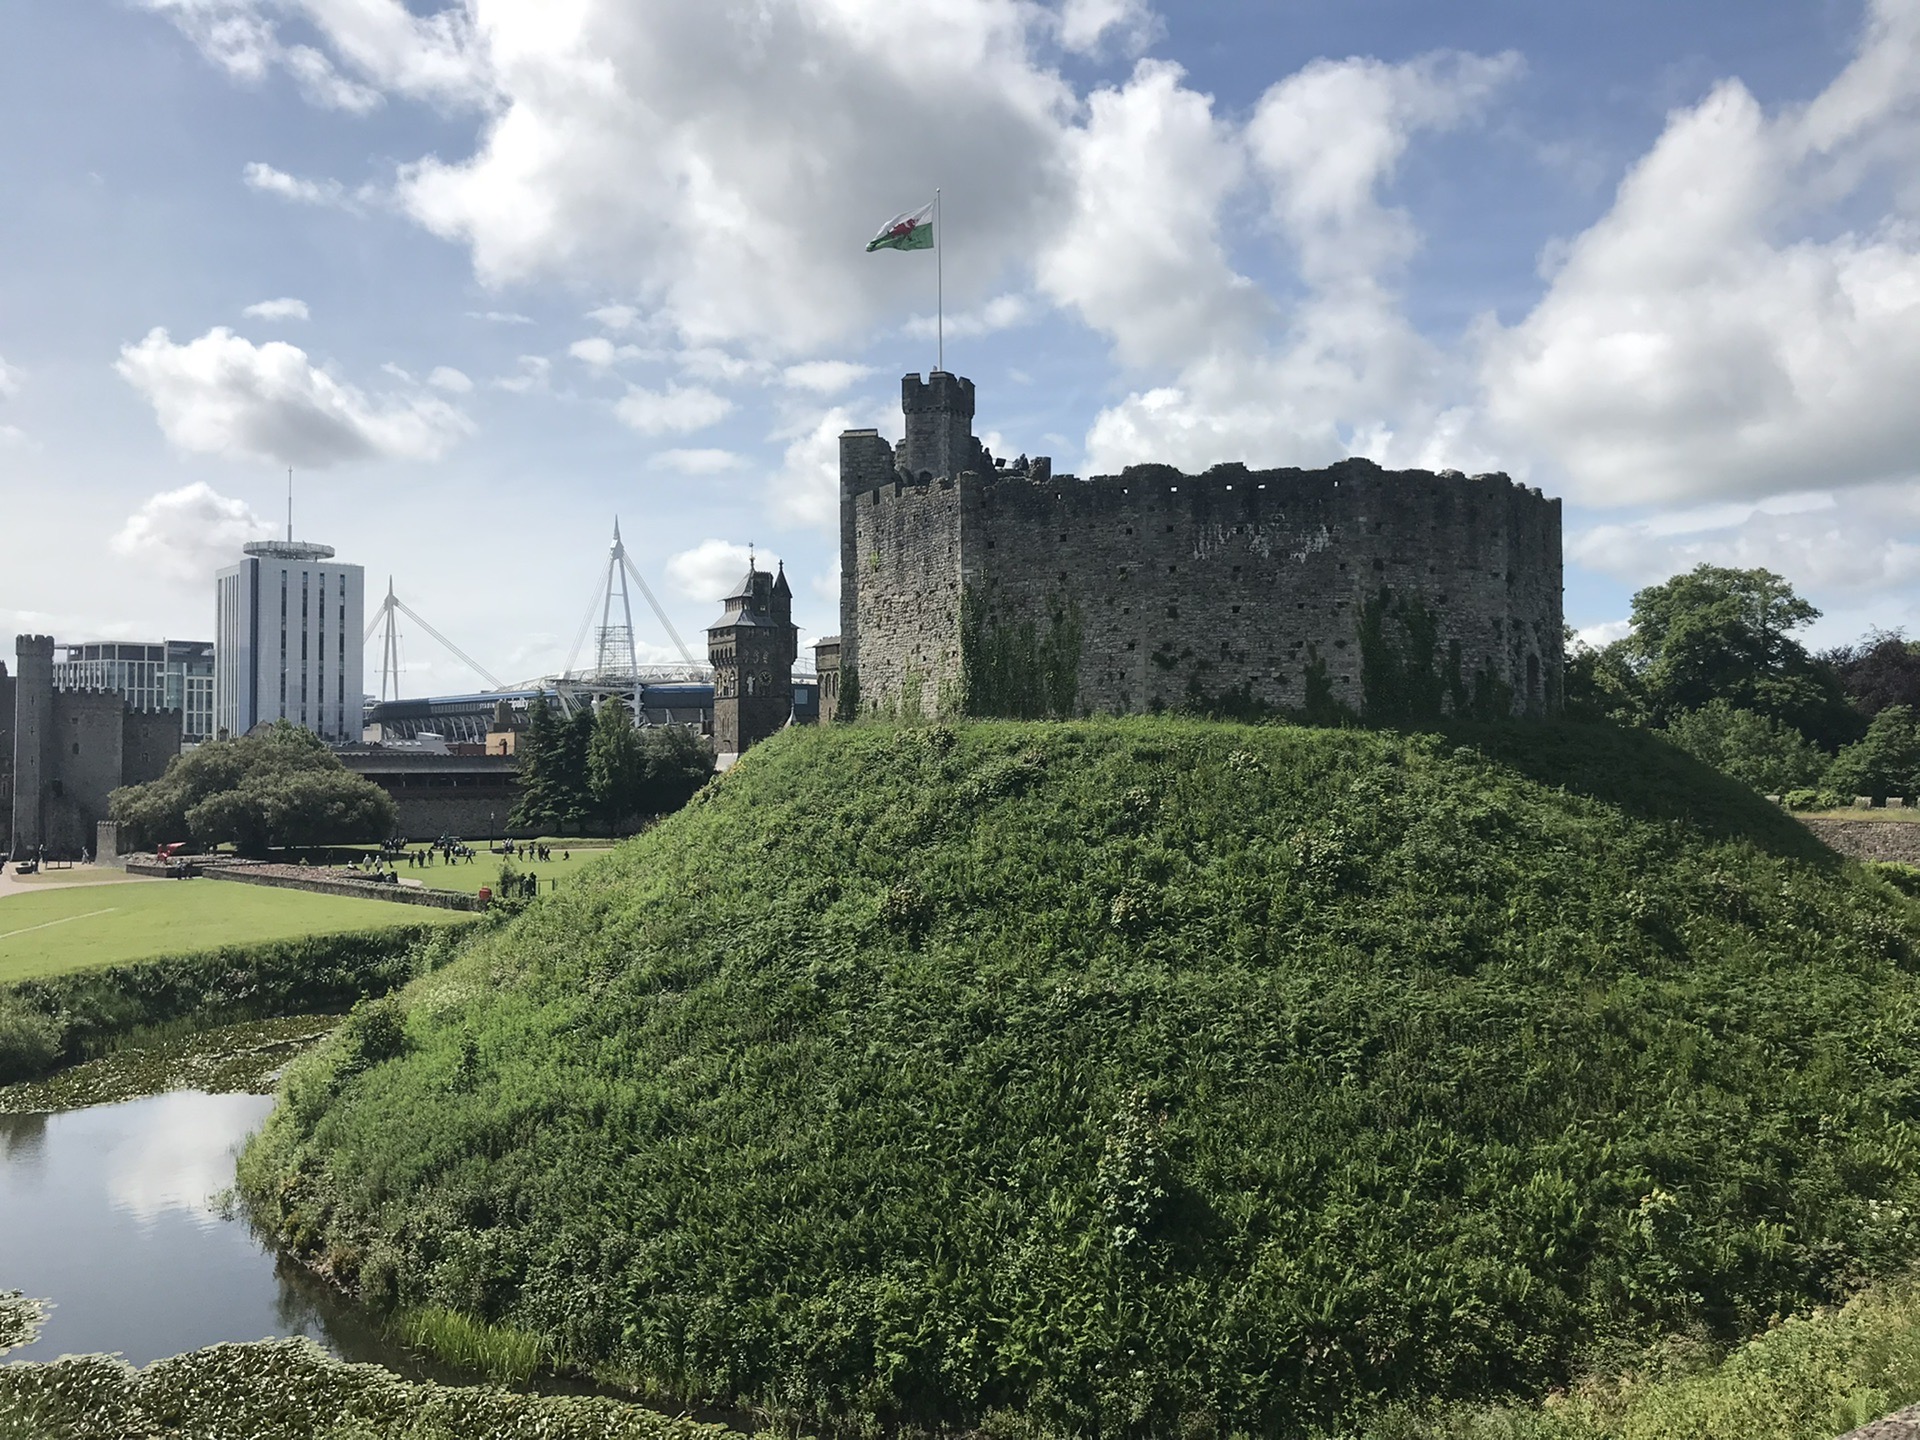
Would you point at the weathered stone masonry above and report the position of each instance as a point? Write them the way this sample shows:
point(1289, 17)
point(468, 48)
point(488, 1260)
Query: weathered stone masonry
point(999, 589)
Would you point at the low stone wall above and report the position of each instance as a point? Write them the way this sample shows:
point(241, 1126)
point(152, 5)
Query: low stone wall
point(320, 882)
point(1871, 839)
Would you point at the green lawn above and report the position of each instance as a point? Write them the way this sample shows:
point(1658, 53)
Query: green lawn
point(68, 928)
point(485, 870)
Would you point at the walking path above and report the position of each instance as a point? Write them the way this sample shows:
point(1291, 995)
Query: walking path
point(11, 884)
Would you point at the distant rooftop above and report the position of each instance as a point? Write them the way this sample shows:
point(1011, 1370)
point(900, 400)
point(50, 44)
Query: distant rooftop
point(288, 550)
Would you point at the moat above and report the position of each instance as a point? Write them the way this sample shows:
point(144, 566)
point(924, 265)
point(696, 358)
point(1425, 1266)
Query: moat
point(116, 1213)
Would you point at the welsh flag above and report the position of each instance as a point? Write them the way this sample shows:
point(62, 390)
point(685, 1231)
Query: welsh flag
point(912, 231)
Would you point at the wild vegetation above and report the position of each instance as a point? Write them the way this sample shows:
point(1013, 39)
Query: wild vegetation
point(1144, 1077)
point(278, 787)
point(63, 1019)
point(293, 1390)
point(224, 1060)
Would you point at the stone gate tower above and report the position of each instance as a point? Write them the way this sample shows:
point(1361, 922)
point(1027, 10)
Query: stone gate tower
point(752, 648)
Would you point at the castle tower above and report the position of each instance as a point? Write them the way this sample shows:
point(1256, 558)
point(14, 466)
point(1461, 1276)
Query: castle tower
point(939, 413)
point(752, 648)
point(32, 722)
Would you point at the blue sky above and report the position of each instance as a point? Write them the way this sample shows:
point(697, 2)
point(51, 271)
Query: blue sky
point(557, 261)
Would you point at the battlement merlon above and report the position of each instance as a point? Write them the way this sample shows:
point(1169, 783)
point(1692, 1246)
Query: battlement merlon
point(939, 413)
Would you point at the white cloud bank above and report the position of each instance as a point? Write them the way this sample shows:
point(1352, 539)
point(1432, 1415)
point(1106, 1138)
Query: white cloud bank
point(1744, 321)
point(223, 395)
point(710, 570)
point(184, 535)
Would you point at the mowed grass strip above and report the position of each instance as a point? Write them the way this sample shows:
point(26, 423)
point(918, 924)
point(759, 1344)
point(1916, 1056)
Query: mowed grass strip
point(76, 928)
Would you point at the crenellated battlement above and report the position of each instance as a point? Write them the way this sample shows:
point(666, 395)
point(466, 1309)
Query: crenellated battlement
point(1000, 588)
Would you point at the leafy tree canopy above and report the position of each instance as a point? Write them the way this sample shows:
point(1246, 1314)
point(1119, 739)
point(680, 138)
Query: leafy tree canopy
point(595, 770)
point(1881, 669)
point(1716, 633)
point(1885, 761)
point(280, 786)
point(1768, 754)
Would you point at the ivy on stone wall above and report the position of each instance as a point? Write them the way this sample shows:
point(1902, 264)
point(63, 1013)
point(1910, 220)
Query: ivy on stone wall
point(1400, 681)
point(847, 707)
point(1018, 671)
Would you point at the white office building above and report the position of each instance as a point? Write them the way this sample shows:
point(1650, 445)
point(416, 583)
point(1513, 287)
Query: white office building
point(287, 641)
point(152, 674)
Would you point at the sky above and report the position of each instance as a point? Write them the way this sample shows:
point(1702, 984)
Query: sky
point(488, 275)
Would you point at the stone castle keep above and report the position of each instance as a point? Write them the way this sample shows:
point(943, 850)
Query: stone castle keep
point(66, 751)
point(973, 586)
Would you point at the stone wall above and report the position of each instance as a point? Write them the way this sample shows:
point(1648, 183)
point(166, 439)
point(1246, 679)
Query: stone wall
point(1870, 839)
point(293, 877)
point(1016, 592)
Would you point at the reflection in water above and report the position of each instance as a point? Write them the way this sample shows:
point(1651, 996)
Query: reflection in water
point(110, 1212)
point(21, 1138)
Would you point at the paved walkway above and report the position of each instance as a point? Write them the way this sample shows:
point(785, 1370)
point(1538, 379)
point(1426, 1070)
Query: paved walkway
point(11, 884)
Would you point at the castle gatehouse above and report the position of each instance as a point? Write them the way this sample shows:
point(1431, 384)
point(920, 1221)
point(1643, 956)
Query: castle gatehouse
point(972, 584)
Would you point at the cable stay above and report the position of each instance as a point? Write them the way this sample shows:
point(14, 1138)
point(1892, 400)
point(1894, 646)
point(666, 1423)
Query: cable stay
point(393, 605)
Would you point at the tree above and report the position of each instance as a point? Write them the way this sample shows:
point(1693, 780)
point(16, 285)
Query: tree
point(1881, 669)
point(278, 787)
point(616, 763)
point(554, 794)
point(1722, 634)
point(1602, 683)
point(1757, 750)
point(1885, 761)
point(678, 764)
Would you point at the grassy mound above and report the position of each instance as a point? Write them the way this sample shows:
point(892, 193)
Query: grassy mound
point(1140, 1077)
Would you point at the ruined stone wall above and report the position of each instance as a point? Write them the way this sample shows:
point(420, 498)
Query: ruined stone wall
point(901, 579)
point(1161, 589)
point(1181, 588)
point(1008, 591)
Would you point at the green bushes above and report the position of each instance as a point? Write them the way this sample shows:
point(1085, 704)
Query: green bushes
point(293, 1390)
point(66, 1018)
point(1144, 1077)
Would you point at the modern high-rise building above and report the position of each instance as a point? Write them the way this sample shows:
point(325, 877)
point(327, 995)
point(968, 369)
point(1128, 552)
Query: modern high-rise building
point(287, 641)
point(151, 675)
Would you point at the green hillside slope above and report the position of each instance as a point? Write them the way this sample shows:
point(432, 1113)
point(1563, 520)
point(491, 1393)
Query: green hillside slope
point(1140, 1077)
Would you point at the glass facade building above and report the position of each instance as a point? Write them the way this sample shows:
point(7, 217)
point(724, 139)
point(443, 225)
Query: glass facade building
point(151, 674)
point(287, 641)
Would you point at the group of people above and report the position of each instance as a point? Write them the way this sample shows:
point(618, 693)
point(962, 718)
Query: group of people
point(529, 850)
point(451, 852)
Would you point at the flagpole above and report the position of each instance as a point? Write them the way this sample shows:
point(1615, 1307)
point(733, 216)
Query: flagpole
point(940, 287)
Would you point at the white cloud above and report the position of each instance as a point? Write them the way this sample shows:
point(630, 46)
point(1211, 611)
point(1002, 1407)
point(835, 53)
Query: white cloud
point(263, 177)
point(806, 488)
point(677, 408)
point(1603, 634)
point(390, 50)
point(223, 395)
point(454, 382)
point(500, 317)
point(825, 377)
point(711, 569)
point(1830, 542)
point(1343, 371)
point(616, 318)
point(600, 352)
point(1713, 334)
point(532, 376)
point(710, 362)
point(10, 377)
point(13, 437)
point(1086, 25)
point(1003, 312)
point(184, 535)
point(285, 308)
point(698, 462)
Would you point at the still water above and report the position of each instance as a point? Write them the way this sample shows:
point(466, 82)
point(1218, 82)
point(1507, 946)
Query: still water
point(112, 1212)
